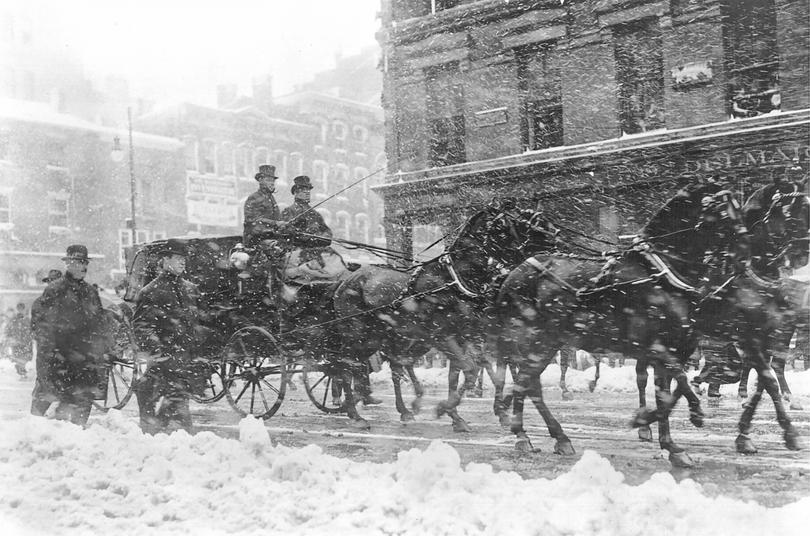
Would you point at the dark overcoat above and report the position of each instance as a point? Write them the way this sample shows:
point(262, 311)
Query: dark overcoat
point(262, 216)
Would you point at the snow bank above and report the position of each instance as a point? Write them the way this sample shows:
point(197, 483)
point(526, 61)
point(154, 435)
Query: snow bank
point(110, 479)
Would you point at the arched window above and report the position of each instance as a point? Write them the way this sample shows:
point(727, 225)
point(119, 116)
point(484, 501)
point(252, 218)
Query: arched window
point(226, 159)
point(209, 157)
point(341, 179)
point(260, 156)
point(361, 173)
point(241, 161)
point(190, 152)
point(320, 175)
point(379, 236)
point(296, 164)
point(339, 130)
point(280, 161)
point(360, 133)
point(343, 226)
point(363, 225)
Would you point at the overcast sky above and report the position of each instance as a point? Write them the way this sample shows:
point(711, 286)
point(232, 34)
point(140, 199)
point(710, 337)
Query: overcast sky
point(183, 48)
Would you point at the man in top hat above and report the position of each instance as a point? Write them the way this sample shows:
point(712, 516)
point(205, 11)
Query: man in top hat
point(168, 329)
point(67, 323)
point(308, 224)
point(262, 217)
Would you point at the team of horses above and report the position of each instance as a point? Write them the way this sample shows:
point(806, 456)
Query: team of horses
point(702, 266)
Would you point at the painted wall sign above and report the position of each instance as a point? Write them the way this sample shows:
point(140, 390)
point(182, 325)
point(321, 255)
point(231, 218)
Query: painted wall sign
point(691, 74)
point(489, 118)
point(754, 157)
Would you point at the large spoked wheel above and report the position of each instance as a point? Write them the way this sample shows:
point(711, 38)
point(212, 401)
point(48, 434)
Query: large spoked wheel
point(323, 389)
point(124, 369)
point(214, 385)
point(255, 372)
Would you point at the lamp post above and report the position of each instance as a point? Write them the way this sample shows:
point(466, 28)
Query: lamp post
point(117, 155)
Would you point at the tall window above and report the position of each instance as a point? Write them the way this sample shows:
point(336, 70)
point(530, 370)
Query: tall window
point(260, 156)
point(752, 63)
point(341, 178)
point(363, 227)
point(343, 228)
point(209, 157)
point(541, 97)
point(240, 161)
point(58, 211)
point(296, 164)
point(226, 159)
point(5, 208)
point(190, 152)
point(445, 110)
point(640, 73)
point(320, 174)
point(280, 161)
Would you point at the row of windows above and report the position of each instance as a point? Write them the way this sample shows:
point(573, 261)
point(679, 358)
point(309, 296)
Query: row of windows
point(749, 36)
point(340, 131)
point(357, 228)
point(142, 236)
point(58, 210)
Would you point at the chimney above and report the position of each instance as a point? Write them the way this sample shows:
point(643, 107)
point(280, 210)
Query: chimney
point(226, 94)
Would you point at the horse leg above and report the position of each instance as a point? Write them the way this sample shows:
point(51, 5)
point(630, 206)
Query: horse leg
point(566, 353)
point(535, 392)
point(499, 405)
point(419, 391)
point(742, 390)
point(765, 382)
point(397, 373)
point(523, 443)
point(778, 365)
point(459, 359)
point(643, 416)
point(350, 400)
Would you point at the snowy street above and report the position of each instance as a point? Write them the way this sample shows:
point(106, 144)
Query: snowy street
point(311, 473)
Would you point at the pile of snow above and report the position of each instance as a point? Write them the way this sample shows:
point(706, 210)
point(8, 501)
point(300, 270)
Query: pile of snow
point(57, 478)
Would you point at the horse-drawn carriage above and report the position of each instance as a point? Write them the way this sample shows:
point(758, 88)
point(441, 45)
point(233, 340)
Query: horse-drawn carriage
point(242, 356)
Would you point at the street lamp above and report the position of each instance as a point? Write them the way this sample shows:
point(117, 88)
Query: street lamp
point(117, 155)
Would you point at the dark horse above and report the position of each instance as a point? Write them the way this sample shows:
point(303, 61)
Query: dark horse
point(642, 303)
point(443, 303)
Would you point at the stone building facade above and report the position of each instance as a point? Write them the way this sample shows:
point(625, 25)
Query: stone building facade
point(597, 109)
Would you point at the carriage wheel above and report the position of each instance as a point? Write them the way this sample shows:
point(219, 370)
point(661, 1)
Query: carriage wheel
point(123, 371)
point(214, 385)
point(255, 372)
point(322, 389)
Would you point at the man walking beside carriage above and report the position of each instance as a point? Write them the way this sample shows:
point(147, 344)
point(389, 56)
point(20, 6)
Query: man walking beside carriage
point(167, 327)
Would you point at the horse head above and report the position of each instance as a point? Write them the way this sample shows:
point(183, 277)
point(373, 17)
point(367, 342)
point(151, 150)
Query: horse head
point(778, 218)
point(700, 230)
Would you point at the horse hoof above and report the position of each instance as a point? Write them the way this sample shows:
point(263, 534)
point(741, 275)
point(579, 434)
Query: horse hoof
point(505, 420)
point(416, 406)
point(592, 385)
point(681, 460)
point(406, 417)
point(360, 424)
point(742, 395)
point(461, 426)
point(792, 440)
point(645, 434)
point(744, 445)
point(564, 447)
point(524, 445)
point(567, 395)
point(643, 417)
point(696, 417)
point(441, 409)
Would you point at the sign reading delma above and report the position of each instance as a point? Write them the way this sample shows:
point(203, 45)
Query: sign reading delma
point(212, 201)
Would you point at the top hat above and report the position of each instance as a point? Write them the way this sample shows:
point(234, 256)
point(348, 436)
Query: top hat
point(301, 182)
point(76, 252)
point(53, 275)
point(266, 170)
point(172, 246)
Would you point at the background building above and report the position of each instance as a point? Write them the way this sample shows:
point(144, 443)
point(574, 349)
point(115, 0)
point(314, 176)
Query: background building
point(598, 109)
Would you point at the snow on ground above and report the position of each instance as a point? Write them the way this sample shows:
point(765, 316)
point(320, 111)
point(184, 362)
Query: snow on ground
point(112, 479)
point(56, 478)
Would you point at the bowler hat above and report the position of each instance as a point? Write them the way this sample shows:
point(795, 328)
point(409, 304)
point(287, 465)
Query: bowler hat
point(172, 246)
point(76, 252)
point(53, 275)
point(301, 182)
point(266, 170)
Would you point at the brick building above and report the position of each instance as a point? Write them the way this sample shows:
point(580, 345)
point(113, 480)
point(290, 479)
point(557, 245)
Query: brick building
point(599, 109)
point(59, 186)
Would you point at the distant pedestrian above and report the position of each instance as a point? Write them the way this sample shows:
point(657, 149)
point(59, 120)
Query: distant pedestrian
point(18, 340)
point(167, 324)
point(68, 329)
